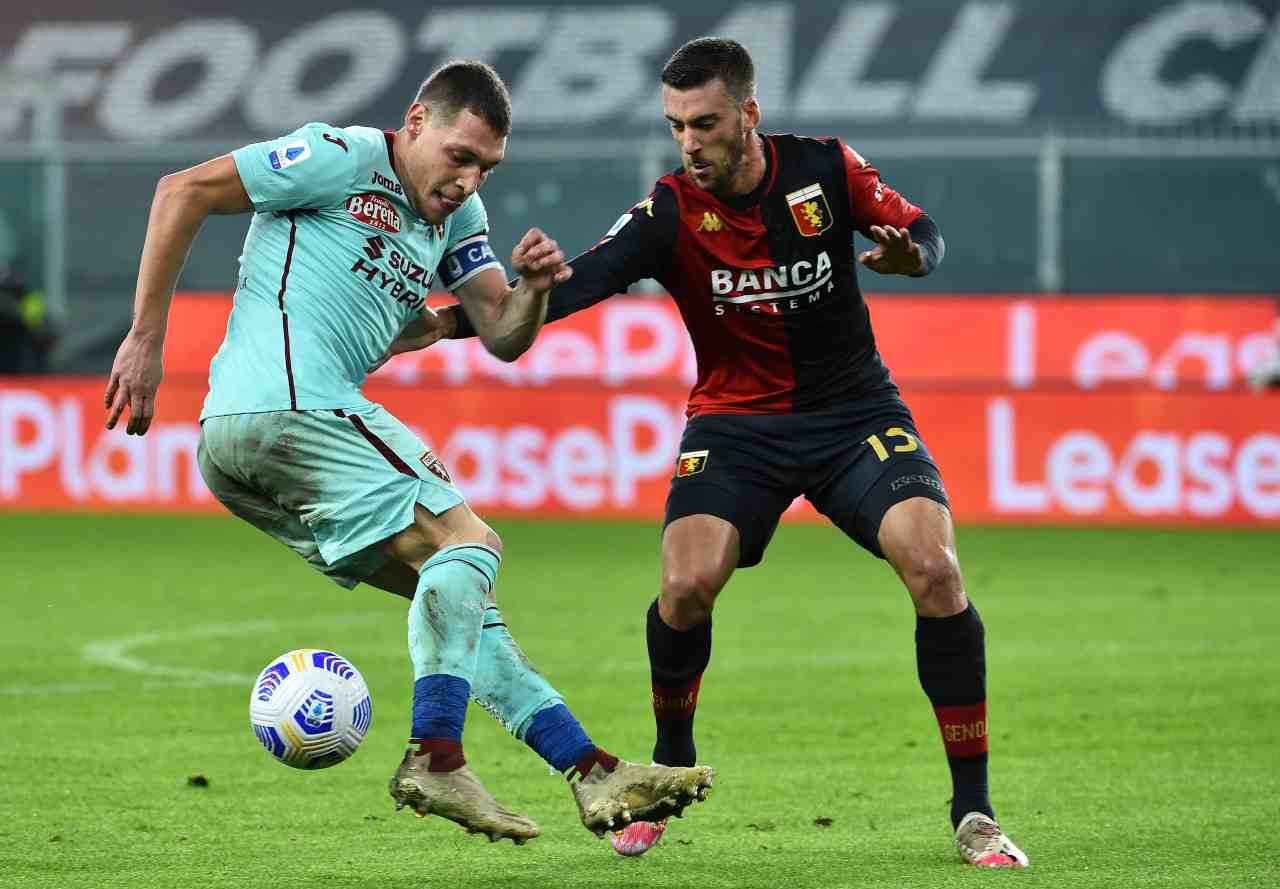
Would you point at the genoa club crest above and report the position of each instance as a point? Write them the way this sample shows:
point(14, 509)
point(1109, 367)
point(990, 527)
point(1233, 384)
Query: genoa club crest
point(691, 463)
point(810, 210)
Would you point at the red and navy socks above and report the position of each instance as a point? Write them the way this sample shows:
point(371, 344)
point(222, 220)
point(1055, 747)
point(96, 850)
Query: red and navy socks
point(951, 660)
point(677, 659)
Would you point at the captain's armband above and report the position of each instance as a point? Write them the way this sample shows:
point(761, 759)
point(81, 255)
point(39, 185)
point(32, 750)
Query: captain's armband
point(465, 260)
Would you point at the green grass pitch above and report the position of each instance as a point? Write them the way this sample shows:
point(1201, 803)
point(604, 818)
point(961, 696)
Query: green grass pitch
point(1134, 696)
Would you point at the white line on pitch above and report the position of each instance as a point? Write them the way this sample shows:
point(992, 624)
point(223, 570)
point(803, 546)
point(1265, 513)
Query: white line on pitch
point(118, 653)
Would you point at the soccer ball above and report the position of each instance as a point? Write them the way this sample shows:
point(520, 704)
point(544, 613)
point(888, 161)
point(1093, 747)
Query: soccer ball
point(310, 708)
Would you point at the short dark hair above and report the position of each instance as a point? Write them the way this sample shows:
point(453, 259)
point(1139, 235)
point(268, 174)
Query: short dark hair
point(468, 86)
point(706, 58)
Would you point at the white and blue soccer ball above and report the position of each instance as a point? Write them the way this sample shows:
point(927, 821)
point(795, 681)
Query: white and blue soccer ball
point(310, 708)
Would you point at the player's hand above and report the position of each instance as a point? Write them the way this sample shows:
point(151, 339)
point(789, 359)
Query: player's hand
point(426, 330)
point(135, 377)
point(539, 262)
point(894, 253)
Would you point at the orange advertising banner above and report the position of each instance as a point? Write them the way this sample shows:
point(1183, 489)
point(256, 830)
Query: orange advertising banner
point(1114, 456)
point(928, 341)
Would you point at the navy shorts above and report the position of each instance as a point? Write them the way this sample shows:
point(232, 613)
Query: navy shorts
point(852, 463)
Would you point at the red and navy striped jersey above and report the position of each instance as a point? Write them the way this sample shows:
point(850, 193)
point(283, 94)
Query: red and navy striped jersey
point(766, 283)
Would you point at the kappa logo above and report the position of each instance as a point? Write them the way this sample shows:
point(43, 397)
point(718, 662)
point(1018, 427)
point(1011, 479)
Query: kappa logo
point(691, 463)
point(710, 223)
point(809, 210)
point(375, 210)
point(437, 468)
point(287, 155)
point(647, 206)
point(903, 481)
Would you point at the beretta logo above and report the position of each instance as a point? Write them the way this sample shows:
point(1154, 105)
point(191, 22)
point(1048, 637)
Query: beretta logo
point(375, 210)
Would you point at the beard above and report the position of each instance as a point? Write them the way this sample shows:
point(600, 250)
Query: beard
point(723, 181)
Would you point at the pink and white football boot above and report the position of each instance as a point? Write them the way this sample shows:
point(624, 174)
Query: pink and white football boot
point(637, 837)
point(982, 843)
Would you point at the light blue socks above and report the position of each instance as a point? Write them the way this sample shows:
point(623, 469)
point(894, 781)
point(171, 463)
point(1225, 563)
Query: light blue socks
point(460, 645)
point(517, 695)
point(506, 684)
point(445, 623)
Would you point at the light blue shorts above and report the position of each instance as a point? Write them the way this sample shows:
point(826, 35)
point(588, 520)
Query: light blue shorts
point(330, 485)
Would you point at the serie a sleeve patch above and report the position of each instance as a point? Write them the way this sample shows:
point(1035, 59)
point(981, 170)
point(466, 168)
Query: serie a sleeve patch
point(287, 155)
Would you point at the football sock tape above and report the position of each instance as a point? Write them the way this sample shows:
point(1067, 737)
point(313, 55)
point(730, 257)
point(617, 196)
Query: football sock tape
point(557, 736)
point(439, 707)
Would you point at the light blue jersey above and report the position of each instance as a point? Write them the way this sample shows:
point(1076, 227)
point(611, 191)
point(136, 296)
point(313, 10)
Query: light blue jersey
point(335, 263)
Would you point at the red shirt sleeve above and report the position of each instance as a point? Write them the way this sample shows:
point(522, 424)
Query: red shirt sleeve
point(871, 201)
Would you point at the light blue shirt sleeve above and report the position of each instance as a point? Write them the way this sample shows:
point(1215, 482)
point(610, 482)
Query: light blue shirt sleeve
point(312, 167)
point(467, 252)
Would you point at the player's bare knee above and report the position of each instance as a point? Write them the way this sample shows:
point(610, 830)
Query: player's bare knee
point(491, 539)
point(932, 577)
point(688, 597)
point(470, 529)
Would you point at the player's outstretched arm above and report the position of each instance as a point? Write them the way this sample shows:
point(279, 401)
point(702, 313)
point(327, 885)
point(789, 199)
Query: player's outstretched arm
point(637, 247)
point(582, 292)
point(907, 241)
point(898, 253)
point(508, 318)
point(181, 204)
